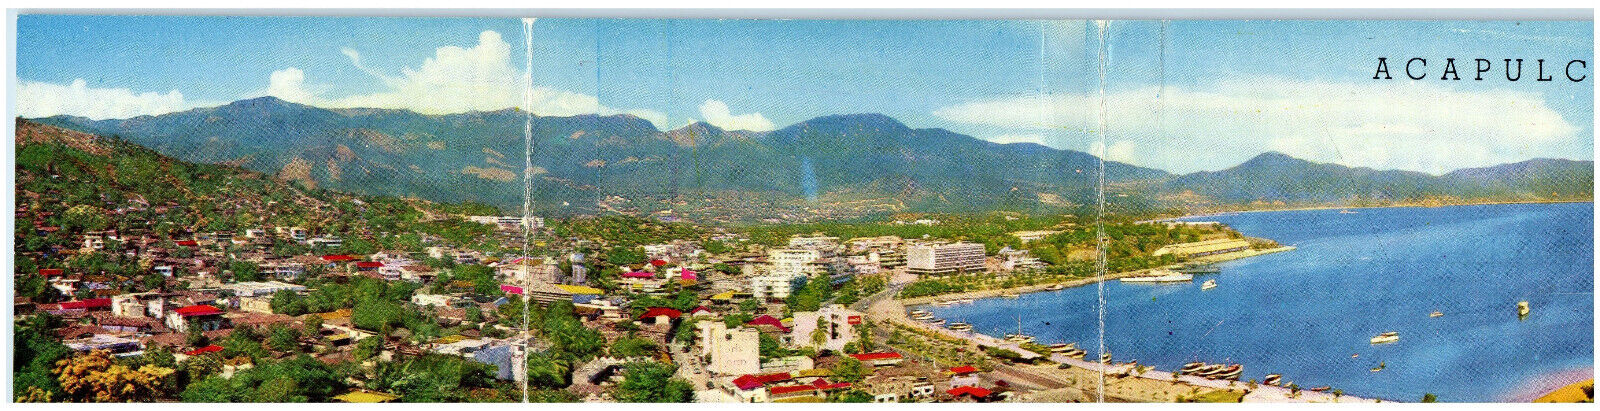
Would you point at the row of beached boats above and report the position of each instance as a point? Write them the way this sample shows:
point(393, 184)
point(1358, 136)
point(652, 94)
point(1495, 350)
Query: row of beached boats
point(1213, 371)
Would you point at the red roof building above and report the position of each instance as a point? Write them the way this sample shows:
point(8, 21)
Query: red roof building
point(88, 304)
point(187, 243)
point(203, 350)
point(639, 274)
point(368, 265)
point(50, 272)
point(338, 258)
point(198, 310)
point(750, 382)
point(661, 311)
point(879, 358)
point(975, 392)
point(770, 321)
point(962, 370)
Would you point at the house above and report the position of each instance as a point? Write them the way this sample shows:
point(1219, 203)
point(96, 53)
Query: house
point(262, 288)
point(879, 358)
point(963, 375)
point(729, 351)
point(659, 315)
point(969, 393)
point(208, 318)
point(439, 300)
point(829, 328)
point(642, 281)
point(769, 321)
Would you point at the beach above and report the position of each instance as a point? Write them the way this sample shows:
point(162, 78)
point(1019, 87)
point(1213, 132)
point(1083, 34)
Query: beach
point(1079, 282)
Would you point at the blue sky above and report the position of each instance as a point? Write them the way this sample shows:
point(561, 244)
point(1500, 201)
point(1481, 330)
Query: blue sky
point(1181, 95)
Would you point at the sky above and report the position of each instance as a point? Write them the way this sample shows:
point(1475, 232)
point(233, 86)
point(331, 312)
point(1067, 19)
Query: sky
point(1181, 96)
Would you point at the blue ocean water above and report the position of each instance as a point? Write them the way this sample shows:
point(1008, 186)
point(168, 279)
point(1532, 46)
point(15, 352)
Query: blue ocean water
point(1303, 313)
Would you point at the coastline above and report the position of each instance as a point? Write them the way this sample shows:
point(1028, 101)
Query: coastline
point(1122, 382)
point(1314, 208)
point(1552, 387)
point(1079, 282)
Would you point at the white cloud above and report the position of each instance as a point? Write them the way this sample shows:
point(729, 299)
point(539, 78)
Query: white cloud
point(1387, 125)
point(454, 80)
point(40, 99)
point(717, 113)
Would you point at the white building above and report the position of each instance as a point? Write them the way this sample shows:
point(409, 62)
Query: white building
point(814, 242)
point(944, 258)
point(1011, 260)
point(770, 287)
point(729, 351)
point(252, 289)
point(829, 328)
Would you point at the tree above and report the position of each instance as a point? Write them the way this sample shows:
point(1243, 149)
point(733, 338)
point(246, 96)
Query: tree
point(288, 303)
point(367, 348)
point(632, 347)
point(282, 338)
point(95, 377)
point(853, 396)
point(312, 326)
point(1429, 397)
point(546, 371)
point(653, 382)
point(851, 370)
point(35, 356)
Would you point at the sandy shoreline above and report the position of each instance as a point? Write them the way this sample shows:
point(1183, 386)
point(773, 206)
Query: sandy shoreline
point(1079, 282)
point(1547, 384)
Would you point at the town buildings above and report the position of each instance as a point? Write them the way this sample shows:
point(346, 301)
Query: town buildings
point(944, 258)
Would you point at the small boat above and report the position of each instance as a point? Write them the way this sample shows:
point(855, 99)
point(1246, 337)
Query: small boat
point(1232, 373)
point(1355, 355)
point(963, 301)
point(943, 303)
point(936, 322)
point(1522, 309)
point(1063, 347)
point(1105, 358)
point(1387, 337)
point(1347, 212)
point(1019, 338)
point(1192, 367)
point(921, 316)
point(1160, 276)
point(1435, 314)
point(920, 312)
point(1322, 388)
point(1272, 379)
point(960, 326)
point(1209, 284)
point(1076, 353)
point(1209, 369)
point(1054, 287)
point(1380, 367)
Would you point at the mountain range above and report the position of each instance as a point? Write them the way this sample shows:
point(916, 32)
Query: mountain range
point(831, 166)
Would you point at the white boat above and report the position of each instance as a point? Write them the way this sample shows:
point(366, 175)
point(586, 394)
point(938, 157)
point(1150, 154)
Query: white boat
point(1054, 287)
point(1160, 276)
point(1061, 348)
point(1209, 284)
point(1522, 309)
point(919, 312)
point(963, 301)
point(936, 321)
point(1386, 338)
point(1272, 379)
point(959, 326)
point(1019, 338)
point(1436, 314)
point(1347, 212)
